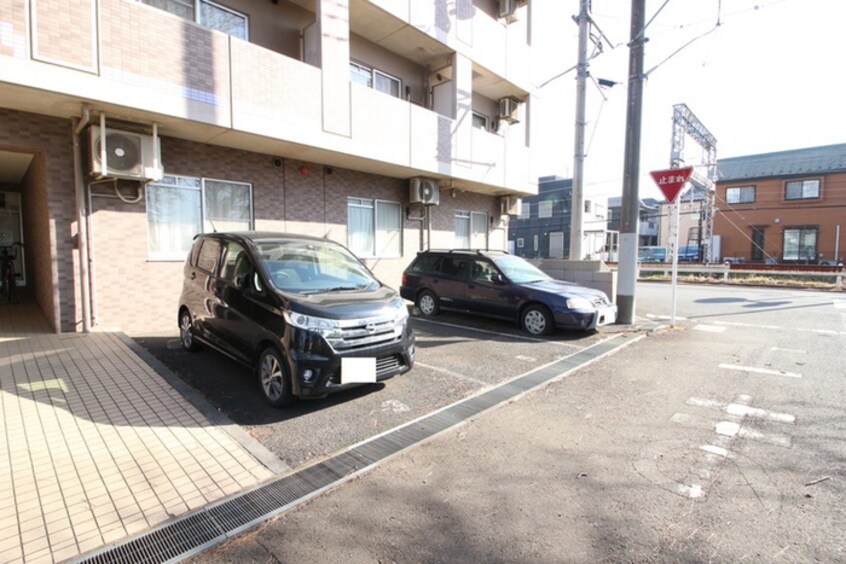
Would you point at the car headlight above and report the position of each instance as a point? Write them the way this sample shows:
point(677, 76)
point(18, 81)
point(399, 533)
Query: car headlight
point(579, 303)
point(328, 328)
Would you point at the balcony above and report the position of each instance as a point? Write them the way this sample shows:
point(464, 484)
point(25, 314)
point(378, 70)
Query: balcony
point(204, 85)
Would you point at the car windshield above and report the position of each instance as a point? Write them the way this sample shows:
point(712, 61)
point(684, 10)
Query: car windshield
point(519, 271)
point(313, 267)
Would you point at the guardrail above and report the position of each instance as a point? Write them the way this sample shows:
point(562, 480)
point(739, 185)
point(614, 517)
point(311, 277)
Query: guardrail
point(725, 271)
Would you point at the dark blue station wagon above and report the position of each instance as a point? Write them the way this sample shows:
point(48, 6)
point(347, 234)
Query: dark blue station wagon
point(497, 284)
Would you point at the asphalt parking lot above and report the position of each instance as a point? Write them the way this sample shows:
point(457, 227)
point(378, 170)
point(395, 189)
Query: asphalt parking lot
point(457, 356)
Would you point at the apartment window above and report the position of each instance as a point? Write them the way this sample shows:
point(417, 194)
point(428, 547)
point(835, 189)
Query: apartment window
point(535, 243)
point(374, 228)
point(209, 14)
point(800, 244)
point(480, 121)
point(376, 79)
point(740, 195)
point(544, 209)
point(525, 210)
point(179, 207)
point(471, 230)
point(802, 189)
point(520, 242)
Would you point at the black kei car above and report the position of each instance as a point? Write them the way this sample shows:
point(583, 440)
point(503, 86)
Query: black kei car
point(304, 312)
point(497, 284)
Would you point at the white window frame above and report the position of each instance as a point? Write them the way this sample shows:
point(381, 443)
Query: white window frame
point(195, 6)
point(739, 192)
point(198, 12)
point(194, 184)
point(484, 121)
point(366, 69)
point(545, 209)
point(520, 242)
point(376, 249)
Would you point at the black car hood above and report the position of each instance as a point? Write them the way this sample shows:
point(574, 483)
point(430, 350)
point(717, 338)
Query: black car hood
point(562, 288)
point(345, 304)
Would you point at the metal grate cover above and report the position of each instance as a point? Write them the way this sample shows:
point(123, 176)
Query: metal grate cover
point(215, 523)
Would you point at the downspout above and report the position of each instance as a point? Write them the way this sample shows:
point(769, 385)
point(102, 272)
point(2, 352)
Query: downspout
point(82, 220)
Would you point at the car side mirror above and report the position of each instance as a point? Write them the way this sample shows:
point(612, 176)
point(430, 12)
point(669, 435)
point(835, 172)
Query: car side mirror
point(497, 278)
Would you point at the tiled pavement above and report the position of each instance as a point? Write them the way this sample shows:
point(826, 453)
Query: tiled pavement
point(97, 446)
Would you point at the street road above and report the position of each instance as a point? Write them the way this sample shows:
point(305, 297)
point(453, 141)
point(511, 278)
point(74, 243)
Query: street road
point(721, 439)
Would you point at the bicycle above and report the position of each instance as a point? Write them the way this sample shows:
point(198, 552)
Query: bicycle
point(8, 279)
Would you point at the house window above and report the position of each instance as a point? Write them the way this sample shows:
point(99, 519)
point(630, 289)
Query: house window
point(179, 207)
point(210, 14)
point(471, 230)
point(520, 242)
point(535, 243)
point(480, 121)
point(375, 79)
point(800, 244)
point(374, 228)
point(544, 209)
point(740, 195)
point(802, 189)
point(525, 210)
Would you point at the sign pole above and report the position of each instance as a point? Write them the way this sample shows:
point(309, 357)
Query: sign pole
point(670, 182)
point(676, 205)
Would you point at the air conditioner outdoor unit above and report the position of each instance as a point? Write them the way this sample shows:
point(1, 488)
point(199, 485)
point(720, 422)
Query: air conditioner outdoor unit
point(424, 191)
point(129, 155)
point(508, 109)
point(510, 205)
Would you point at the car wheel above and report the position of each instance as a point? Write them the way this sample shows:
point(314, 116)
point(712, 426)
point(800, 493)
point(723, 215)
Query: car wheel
point(273, 378)
point(427, 303)
point(537, 320)
point(186, 332)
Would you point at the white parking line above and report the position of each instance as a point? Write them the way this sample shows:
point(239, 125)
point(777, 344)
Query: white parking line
point(508, 335)
point(742, 410)
point(710, 328)
point(797, 351)
point(765, 371)
point(451, 373)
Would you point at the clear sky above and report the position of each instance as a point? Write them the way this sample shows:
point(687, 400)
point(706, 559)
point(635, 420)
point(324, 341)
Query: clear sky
point(770, 77)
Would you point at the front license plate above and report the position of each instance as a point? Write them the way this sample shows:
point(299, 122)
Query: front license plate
point(358, 370)
point(607, 315)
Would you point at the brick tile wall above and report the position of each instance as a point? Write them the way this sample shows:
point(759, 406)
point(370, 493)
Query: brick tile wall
point(13, 20)
point(51, 139)
point(65, 32)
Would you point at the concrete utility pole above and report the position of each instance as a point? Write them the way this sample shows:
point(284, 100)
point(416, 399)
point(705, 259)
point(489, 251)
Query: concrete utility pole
point(627, 269)
point(577, 201)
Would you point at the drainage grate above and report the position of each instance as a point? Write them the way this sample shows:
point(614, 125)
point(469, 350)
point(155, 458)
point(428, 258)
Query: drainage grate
point(193, 533)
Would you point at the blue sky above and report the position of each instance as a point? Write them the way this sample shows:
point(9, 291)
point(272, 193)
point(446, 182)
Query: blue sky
point(768, 78)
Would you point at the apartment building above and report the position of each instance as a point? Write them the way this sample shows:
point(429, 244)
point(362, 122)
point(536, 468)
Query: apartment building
point(128, 126)
point(783, 207)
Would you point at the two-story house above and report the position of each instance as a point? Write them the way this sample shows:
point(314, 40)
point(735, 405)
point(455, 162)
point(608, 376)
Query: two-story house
point(782, 207)
point(542, 227)
point(649, 215)
point(128, 126)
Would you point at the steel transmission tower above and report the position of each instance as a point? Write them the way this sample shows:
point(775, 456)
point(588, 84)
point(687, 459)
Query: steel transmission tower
point(686, 123)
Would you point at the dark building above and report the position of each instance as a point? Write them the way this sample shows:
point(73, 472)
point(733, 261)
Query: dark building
point(542, 228)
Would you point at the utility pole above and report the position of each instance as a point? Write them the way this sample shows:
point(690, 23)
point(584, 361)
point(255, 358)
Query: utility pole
point(577, 200)
point(627, 270)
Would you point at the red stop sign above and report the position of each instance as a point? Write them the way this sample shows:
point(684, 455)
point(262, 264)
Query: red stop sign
point(671, 181)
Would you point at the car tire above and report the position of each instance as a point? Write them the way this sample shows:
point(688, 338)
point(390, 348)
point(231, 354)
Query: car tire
point(273, 378)
point(427, 304)
point(537, 320)
point(186, 332)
